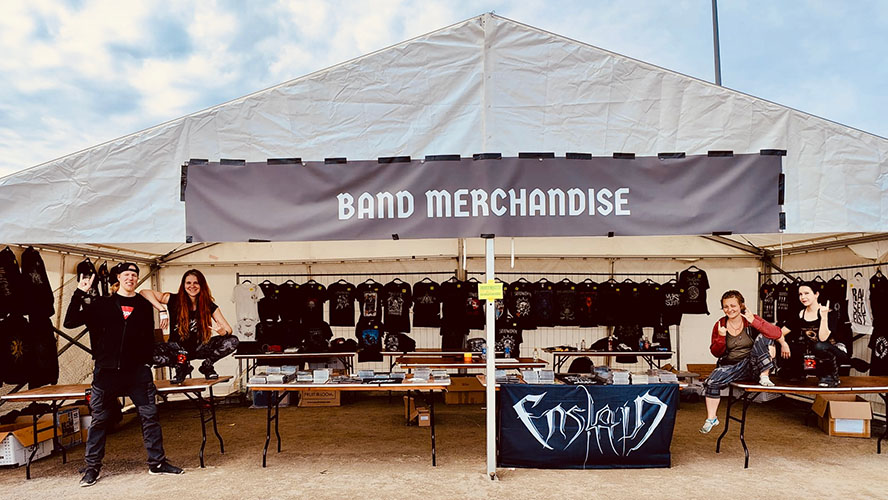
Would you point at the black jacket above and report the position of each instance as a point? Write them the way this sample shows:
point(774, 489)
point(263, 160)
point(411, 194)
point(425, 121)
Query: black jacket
point(116, 343)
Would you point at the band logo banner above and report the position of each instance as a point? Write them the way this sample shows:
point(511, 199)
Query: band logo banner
point(586, 427)
point(465, 198)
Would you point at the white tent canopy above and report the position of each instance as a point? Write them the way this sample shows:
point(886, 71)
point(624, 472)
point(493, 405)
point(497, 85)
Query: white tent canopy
point(487, 84)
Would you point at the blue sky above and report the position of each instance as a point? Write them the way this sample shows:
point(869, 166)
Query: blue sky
point(74, 74)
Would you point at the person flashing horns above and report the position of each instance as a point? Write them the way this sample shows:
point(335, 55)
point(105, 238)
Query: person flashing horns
point(121, 333)
point(742, 353)
point(193, 318)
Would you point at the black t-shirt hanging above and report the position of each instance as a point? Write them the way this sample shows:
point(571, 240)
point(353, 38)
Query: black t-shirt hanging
point(608, 303)
point(426, 304)
point(508, 334)
point(37, 290)
point(768, 296)
point(16, 349)
point(543, 303)
point(628, 303)
point(878, 298)
point(193, 340)
point(342, 303)
point(836, 292)
point(453, 338)
point(519, 303)
point(783, 305)
point(475, 307)
point(316, 336)
point(661, 340)
point(671, 303)
point(289, 301)
point(566, 303)
point(453, 299)
point(312, 296)
point(693, 286)
point(879, 345)
point(369, 297)
point(397, 297)
point(10, 283)
point(650, 307)
point(103, 277)
point(369, 335)
point(587, 303)
point(268, 304)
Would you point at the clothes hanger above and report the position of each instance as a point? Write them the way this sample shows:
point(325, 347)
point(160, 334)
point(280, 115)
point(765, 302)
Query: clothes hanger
point(629, 281)
point(693, 268)
point(397, 280)
point(473, 280)
point(291, 282)
point(452, 279)
point(342, 280)
point(769, 281)
point(673, 280)
point(370, 281)
point(837, 277)
point(858, 274)
point(566, 280)
point(426, 279)
point(611, 281)
point(649, 281)
point(521, 280)
point(819, 279)
point(878, 272)
point(267, 282)
point(588, 280)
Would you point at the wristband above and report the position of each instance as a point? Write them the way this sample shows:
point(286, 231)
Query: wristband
point(163, 313)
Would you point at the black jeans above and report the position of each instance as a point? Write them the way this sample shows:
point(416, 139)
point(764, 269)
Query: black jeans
point(219, 346)
point(138, 385)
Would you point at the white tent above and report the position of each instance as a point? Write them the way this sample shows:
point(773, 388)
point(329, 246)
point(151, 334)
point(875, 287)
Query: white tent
point(487, 84)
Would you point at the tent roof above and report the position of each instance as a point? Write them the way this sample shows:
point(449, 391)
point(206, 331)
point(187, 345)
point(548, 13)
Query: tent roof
point(485, 84)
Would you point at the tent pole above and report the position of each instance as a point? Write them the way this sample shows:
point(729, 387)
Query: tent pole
point(490, 371)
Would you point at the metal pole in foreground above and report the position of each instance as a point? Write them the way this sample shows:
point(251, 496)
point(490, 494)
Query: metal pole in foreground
point(715, 47)
point(490, 368)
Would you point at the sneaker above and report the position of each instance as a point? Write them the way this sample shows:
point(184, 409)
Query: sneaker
point(182, 372)
point(165, 468)
point(708, 425)
point(765, 380)
point(89, 477)
point(828, 381)
point(208, 371)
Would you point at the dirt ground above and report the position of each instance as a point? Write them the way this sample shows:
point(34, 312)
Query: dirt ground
point(363, 449)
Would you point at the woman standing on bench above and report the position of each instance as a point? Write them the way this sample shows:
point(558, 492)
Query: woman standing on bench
point(742, 353)
point(193, 318)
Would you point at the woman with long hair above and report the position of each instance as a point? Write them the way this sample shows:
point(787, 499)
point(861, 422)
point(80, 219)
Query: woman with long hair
point(741, 351)
point(193, 318)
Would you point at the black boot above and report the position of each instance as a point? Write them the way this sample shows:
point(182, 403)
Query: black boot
point(183, 368)
point(208, 371)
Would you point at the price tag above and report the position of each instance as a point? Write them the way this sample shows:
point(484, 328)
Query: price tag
point(490, 290)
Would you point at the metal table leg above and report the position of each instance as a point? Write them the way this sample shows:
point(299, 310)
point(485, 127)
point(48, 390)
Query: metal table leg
point(747, 396)
point(272, 402)
point(727, 423)
point(885, 432)
point(432, 425)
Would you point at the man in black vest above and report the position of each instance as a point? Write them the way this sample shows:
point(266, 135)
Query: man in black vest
point(122, 335)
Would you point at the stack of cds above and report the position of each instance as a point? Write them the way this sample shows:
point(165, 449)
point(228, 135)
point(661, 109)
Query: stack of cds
point(643, 378)
point(666, 377)
point(620, 377)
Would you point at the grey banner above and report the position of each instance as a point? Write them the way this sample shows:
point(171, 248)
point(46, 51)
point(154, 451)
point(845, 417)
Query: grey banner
point(465, 198)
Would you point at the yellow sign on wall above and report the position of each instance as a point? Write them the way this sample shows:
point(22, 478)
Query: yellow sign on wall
point(490, 290)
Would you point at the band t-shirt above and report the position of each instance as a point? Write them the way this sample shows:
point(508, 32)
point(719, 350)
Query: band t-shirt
point(312, 296)
point(246, 297)
point(587, 303)
point(316, 336)
point(786, 302)
point(693, 286)
point(671, 304)
point(426, 304)
point(879, 357)
point(566, 303)
point(768, 296)
point(543, 303)
point(508, 334)
point(519, 303)
point(193, 340)
point(342, 303)
point(859, 308)
point(369, 297)
point(475, 307)
point(397, 298)
point(369, 335)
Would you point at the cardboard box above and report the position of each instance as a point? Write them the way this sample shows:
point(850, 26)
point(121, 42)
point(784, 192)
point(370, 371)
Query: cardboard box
point(464, 397)
point(318, 397)
point(17, 438)
point(703, 369)
point(70, 433)
point(471, 383)
point(409, 408)
point(843, 415)
point(260, 399)
point(423, 417)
